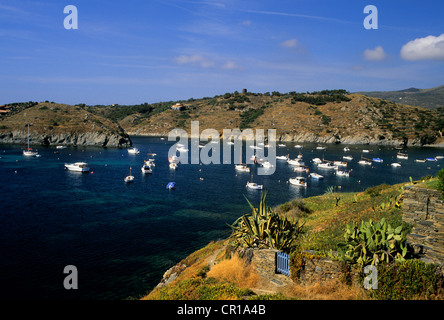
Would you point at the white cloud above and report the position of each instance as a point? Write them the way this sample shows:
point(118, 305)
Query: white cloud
point(230, 65)
point(291, 43)
point(377, 54)
point(194, 59)
point(428, 48)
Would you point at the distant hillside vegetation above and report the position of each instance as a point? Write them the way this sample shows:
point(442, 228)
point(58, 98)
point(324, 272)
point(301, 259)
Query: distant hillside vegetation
point(328, 116)
point(428, 98)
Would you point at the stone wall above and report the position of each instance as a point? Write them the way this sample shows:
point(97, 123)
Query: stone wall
point(425, 211)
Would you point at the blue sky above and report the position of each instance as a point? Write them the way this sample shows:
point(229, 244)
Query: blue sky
point(136, 51)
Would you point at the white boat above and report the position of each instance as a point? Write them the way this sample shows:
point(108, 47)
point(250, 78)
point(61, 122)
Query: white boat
point(173, 165)
point(61, 147)
point(281, 145)
point(254, 185)
point(420, 160)
point(133, 151)
point(365, 151)
point(301, 169)
point(295, 162)
point(395, 164)
point(402, 156)
point(315, 175)
point(317, 160)
point(77, 166)
point(327, 165)
point(129, 178)
point(173, 159)
point(321, 148)
point(267, 164)
point(146, 168)
point(342, 173)
point(282, 157)
point(439, 157)
point(340, 163)
point(298, 146)
point(346, 149)
point(242, 167)
point(28, 152)
point(151, 162)
point(347, 157)
point(365, 162)
point(298, 181)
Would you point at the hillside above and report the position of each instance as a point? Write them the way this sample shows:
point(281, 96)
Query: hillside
point(322, 117)
point(328, 116)
point(53, 123)
point(215, 272)
point(427, 98)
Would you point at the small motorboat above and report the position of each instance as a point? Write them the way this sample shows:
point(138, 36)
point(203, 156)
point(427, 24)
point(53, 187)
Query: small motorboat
point(301, 169)
point(242, 167)
point(420, 160)
point(377, 160)
point(133, 151)
point(346, 149)
point(77, 166)
point(267, 164)
point(395, 164)
point(402, 156)
point(173, 165)
point(171, 186)
point(316, 176)
point(340, 163)
point(327, 165)
point(317, 161)
point(298, 181)
point(282, 157)
point(61, 147)
point(146, 168)
point(347, 157)
point(365, 162)
point(342, 173)
point(430, 159)
point(254, 185)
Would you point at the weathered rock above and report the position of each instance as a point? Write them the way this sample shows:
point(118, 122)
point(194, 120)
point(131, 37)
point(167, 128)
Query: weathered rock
point(99, 139)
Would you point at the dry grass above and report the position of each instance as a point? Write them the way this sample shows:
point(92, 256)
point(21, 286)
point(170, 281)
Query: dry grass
point(326, 290)
point(235, 271)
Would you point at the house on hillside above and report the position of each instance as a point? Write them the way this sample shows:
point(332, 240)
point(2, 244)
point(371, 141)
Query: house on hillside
point(178, 106)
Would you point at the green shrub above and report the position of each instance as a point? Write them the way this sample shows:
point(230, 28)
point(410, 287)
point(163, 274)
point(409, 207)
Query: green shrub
point(376, 191)
point(373, 243)
point(440, 177)
point(411, 279)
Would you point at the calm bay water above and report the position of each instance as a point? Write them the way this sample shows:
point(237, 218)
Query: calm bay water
point(122, 237)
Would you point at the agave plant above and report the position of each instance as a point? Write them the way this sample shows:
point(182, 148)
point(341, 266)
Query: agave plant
point(264, 228)
point(372, 243)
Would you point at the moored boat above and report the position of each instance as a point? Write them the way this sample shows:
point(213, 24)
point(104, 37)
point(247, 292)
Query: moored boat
point(77, 166)
point(298, 181)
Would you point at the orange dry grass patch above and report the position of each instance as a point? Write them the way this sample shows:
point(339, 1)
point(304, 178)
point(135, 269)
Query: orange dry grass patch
point(235, 271)
point(326, 290)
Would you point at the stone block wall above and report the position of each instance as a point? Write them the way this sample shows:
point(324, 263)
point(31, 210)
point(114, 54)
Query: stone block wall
point(425, 211)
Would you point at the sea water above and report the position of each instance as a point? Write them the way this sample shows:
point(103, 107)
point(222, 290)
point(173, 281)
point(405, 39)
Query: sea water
point(123, 237)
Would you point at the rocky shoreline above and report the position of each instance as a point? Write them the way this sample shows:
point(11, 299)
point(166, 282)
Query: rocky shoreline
point(363, 139)
point(66, 139)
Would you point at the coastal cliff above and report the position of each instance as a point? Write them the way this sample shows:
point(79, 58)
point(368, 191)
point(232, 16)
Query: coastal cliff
point(59, 124)
point(326, 117)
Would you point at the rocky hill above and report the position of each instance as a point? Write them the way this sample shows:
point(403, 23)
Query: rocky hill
point(328, 116)
point(60, 124)
point(322, 117)
point(432, 98)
